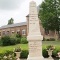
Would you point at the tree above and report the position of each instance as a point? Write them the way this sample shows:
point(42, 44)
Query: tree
point(11, 21)
point(49, 14)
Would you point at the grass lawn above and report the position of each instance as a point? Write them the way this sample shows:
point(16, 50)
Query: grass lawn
point(25, 46)
point(11, 48)
point(54, 43)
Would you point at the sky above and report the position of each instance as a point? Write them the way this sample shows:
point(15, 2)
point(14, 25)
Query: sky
point(16, 9)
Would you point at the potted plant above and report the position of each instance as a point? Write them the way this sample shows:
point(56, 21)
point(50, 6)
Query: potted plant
point(50, 48)
point(17, 51)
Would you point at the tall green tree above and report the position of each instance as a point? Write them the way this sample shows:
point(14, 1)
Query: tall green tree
point(11, 21)
point(49, 14)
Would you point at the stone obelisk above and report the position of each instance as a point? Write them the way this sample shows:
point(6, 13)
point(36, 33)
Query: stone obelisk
point(34, 35)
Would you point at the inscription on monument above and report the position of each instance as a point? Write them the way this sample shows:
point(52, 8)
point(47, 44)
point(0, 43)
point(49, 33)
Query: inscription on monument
point(35, 48)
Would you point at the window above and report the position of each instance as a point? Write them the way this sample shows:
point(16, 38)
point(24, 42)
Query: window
point(18, 31)
point(12, 32)
point(3, 32)
point(7, 32)
point(23, 32)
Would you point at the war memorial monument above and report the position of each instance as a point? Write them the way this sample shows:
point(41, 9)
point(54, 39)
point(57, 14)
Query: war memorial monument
point(34, 35)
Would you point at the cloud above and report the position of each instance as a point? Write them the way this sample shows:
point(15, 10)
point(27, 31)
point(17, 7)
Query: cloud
point(10, 4)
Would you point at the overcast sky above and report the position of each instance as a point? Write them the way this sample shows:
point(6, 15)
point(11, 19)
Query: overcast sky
point(16, 9)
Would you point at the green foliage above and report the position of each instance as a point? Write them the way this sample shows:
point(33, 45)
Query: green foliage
point(12, 41)
point(24, 48)
point(11, 57)
point(10, 21)
point(13, 35)
point(17, 49)
point(2, 54)
point(18, 40)
point(54, 53)
point(5, 40)
point(24, 40)
point(0, 42)
point(51, 39)
point(50, 47)
point(18, 35)
point(24, 54)
point(49, 14)
point(7, 53)
point(45, 53)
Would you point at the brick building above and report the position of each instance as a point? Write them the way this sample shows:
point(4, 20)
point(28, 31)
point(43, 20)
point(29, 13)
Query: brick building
point(22, 29)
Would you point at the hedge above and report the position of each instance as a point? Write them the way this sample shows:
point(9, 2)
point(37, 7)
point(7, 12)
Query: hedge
point(24, 40)
point(24, 53)
point(7, 40)
point(54, 53)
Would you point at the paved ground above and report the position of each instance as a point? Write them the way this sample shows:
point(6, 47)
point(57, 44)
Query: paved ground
point(44, 59)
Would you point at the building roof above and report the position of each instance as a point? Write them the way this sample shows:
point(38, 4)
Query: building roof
point(13, 25)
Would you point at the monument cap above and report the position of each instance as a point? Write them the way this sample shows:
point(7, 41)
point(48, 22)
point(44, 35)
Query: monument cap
point(33, 2)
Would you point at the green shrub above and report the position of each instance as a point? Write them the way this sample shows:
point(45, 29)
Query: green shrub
point(18, 40)
point(24, 54)
point(5, 40)
point(51, 39)
point(12, 41)
point(24, 40)
point(0, 42)
point(54, 53)
point(2, 54)
point(7, 53)
point(45, 53)
point(18, 35)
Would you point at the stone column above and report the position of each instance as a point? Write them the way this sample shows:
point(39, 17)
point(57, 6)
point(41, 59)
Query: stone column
point(34, 36)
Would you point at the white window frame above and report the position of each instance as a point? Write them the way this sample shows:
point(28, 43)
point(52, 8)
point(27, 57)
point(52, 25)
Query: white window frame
point(13, 32)
point(23, 32)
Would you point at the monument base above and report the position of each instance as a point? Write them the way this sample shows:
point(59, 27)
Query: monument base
point(50, 58)
point(35, 58)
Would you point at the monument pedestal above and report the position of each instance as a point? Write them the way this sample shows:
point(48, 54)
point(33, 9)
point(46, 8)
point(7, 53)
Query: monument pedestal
point(35, 47)
point(50, 58)
point(35, 58)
